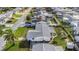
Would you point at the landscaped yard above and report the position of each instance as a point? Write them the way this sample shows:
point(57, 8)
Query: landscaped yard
point(19, 46)
point(68, 31)
point(59, 41)
point(21, 31)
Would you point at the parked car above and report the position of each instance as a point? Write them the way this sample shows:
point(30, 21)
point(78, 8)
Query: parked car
point(28, 24)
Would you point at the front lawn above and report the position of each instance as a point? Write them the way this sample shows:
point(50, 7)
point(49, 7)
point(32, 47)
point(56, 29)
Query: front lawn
point(21, 31)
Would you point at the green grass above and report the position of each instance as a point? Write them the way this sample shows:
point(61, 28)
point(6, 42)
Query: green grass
point(2, 12)
point(16, 47)
point(71, 38)
point(59, 41)
point(1, 30)
point(16, 15)
point(21, 31)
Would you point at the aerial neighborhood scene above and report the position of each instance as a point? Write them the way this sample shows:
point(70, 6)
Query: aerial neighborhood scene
point(39, 28)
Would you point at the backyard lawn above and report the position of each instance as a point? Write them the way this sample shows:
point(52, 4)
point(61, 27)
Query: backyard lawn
point(59, 39)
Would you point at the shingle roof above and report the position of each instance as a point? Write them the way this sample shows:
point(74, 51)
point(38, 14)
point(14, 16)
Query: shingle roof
point(32, 34)
point(43, 28)
point(41, 38)
point(42, 31)
point(45, 47)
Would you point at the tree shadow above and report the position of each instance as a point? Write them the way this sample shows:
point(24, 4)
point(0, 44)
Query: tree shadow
point(24, 44)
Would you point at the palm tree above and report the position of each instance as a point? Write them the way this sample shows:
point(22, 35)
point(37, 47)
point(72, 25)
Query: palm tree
point(1, 32)
point(10, 36)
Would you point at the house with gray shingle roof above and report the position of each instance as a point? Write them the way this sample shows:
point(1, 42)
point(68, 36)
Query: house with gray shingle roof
point(40, 37)
point(41, 30)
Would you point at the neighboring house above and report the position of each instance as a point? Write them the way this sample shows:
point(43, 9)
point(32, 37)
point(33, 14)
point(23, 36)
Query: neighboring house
point(76, 43)
point(48, 15)
point(75, 25)
point(66, 19)
point(75, 17)
point(76, 33)
point(59, 14)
